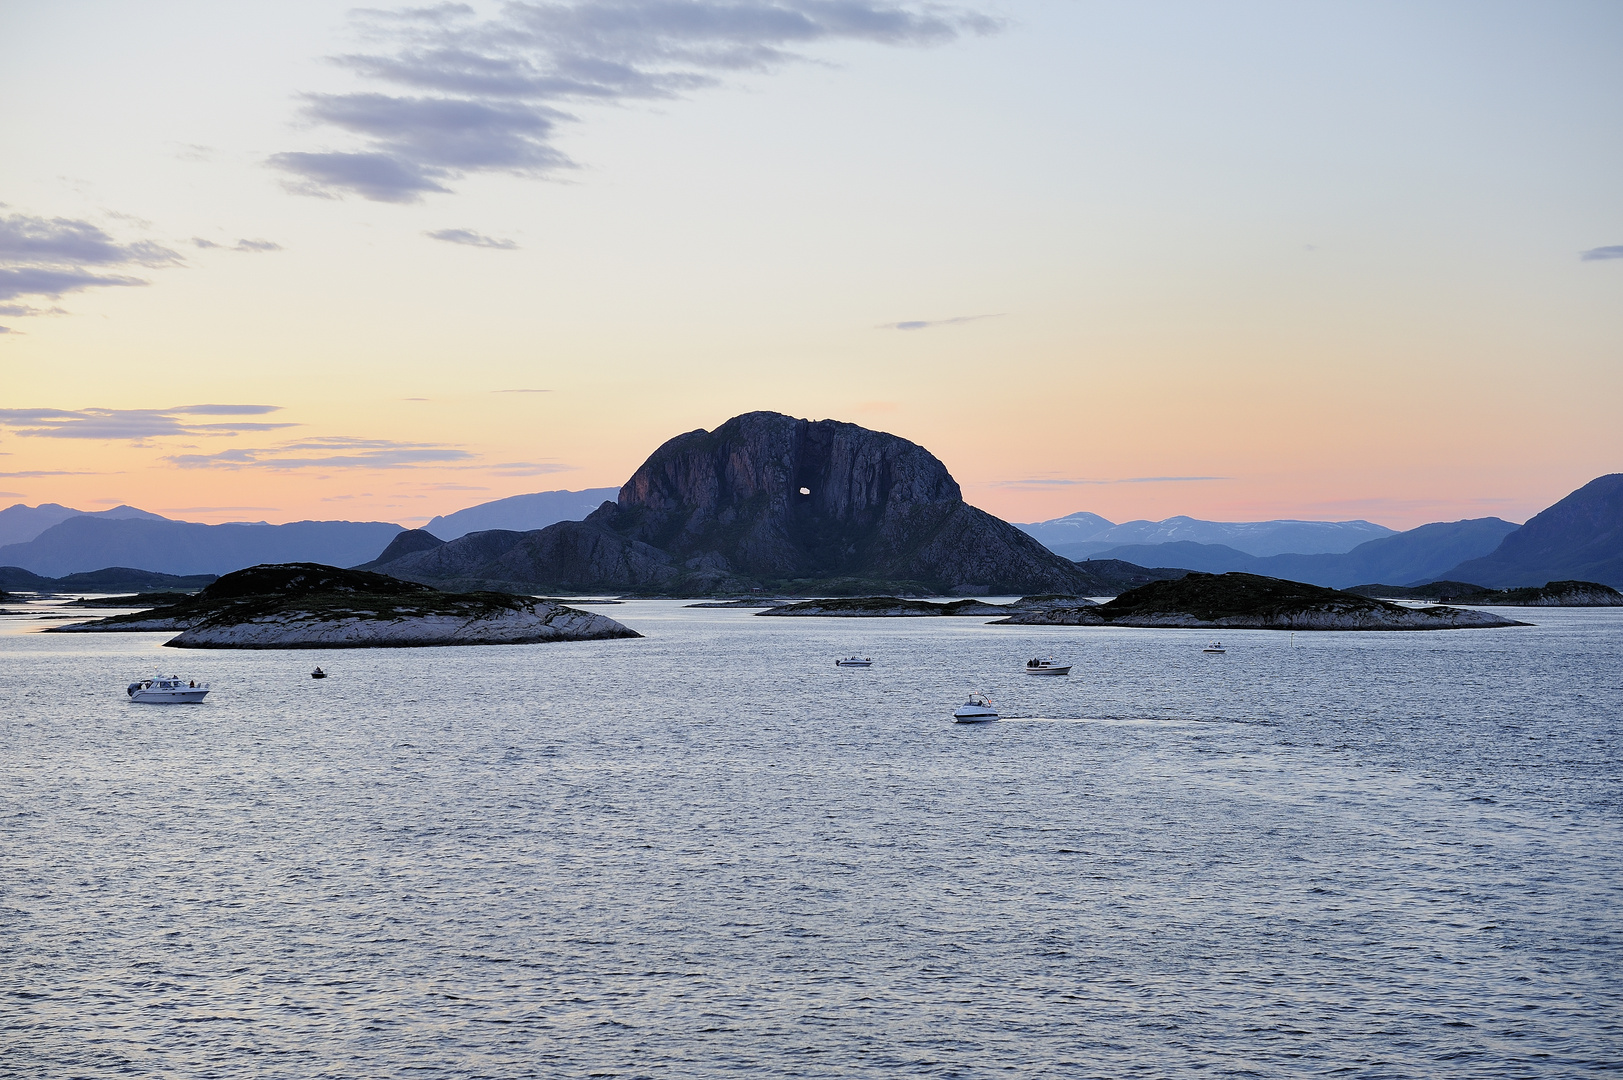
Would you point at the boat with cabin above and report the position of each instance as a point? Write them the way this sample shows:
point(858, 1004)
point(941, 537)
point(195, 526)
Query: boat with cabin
point(977, 710)
point(167, 690)
point(1046, 665)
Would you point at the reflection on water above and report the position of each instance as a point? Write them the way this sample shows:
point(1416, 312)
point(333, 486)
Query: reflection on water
point(712, 851)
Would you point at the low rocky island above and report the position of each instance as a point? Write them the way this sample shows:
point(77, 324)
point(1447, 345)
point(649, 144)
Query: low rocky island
point(310, 606)
point(894, 607)
point(1552, 594)
point(1252, 602)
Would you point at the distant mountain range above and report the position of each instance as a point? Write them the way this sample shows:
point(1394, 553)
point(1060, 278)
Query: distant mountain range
point(1419, 555)
point(1578, 538)
point(51, 540)
point(521, 513)
point(91, 541)
point(1080, 535)
point(20, 524)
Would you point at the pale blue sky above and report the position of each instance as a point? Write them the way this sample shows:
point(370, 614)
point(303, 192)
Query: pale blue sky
point(1330, 253)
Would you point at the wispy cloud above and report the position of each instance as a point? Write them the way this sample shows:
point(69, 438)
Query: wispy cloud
point(477, 95)
point(1070, 481)
point(330, 452)
point(32, 474)
point(1615, 251)
point(925, 324)
point(472, 239)
point(529, 468)
point(52, 257)
point(250, 246)
point(135, 425)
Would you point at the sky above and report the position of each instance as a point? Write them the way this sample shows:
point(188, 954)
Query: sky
point(1232, 260)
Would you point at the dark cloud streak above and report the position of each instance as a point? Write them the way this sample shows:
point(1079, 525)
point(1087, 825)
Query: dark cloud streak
point(329, 452)
point(52, 257)
point(134, 425)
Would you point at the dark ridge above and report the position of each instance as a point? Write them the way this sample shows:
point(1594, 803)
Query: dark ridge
point(120, 579)
point(1551, 594)
point(1436, 590)
point(1112, 577)
point(408, 542)
point(1215, 596)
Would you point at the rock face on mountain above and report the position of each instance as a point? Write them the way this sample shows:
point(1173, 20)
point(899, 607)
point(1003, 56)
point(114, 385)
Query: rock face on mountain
point(766, 501)
point(1580, 537)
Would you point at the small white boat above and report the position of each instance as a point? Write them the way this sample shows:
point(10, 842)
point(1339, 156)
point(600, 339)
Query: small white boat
point(1216, 646)
point(855, 661)
point(1046, 666)
point(977, 710)
point(167, 690)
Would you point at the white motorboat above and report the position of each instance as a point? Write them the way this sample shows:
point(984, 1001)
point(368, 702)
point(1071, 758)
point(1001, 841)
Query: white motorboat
point(1216, 646)
point(855, 661)
point(1046, 666)
point(167, 690)
point(977, 710)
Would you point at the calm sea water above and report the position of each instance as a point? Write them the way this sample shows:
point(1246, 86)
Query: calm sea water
point(710, 852)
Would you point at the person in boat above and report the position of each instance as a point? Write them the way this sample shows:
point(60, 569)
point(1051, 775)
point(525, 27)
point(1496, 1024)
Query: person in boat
point(192, 684)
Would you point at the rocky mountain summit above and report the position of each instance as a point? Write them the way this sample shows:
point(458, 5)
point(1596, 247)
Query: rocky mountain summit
point(1578, 538)
point(310, 606)
point(765, 501)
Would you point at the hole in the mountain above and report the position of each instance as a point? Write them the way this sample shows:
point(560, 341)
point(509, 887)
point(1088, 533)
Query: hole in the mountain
point(805, 491)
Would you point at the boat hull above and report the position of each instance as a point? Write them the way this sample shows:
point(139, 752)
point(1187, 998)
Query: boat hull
point(974, 716)
point(1048, 671)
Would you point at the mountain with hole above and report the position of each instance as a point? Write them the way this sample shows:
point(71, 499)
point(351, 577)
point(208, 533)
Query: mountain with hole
point(770, 502)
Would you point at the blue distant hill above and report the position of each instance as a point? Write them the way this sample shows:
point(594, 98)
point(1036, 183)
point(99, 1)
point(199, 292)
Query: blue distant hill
point(1077, 536)
point(1580, 538)
point(1419, 555)
point(521, 513)
point(90, 542)
point(20, 524)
